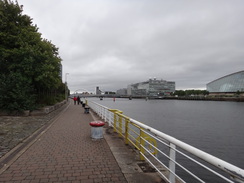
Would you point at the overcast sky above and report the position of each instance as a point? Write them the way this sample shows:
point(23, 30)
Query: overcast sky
point(114, 43)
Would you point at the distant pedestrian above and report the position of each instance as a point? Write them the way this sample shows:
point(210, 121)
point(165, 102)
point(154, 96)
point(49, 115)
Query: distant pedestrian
point(75, 99)
point(78, 100)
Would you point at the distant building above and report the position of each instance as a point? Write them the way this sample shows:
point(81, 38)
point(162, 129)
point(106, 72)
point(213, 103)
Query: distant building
point(61, 71)
point(122, 91)
point(231, 83)
point(109, 93)
point(152, 87)
point(98, 91)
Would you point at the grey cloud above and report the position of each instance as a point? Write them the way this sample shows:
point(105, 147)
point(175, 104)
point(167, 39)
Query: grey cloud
point(114, 43)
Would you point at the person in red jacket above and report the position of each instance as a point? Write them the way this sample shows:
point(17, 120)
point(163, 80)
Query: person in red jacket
point(75, 99)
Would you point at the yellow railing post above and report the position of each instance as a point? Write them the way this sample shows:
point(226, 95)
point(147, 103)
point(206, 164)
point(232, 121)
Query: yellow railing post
point(120, 122)
point(145, 141)
point(115, 122)
point(120, 126)
point(142, 144)
point(127, 120)
point(116, 112)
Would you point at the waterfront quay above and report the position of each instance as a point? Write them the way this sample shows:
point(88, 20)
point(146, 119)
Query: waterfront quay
point(63, 151)
point(200, 98)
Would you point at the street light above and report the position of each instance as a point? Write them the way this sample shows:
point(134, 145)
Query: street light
point(66, 87)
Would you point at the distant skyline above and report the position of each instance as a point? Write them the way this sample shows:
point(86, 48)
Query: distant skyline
point(113, 43)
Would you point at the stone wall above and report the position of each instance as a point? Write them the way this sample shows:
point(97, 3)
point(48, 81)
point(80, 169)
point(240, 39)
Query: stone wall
point(42, 111)
point(47, 109)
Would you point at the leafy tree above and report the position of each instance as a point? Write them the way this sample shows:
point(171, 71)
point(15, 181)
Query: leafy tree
point(20, 97)
point(180, 93)
point(190, 92)
point(29, 65)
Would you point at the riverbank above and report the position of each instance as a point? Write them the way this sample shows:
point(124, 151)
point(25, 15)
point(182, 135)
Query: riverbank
point(234, 99)
point(206, 98)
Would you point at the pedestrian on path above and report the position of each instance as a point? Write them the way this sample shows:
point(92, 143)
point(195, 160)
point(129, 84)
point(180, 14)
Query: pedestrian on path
point(78, 100)
point(75, 99)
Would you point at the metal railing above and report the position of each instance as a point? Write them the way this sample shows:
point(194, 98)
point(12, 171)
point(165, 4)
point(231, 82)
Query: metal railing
point(160, 150)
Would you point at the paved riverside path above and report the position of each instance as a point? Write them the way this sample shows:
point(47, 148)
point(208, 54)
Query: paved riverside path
point(66, 153)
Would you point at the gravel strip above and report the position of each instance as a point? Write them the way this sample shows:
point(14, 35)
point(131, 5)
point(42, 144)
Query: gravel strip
point(15, 129)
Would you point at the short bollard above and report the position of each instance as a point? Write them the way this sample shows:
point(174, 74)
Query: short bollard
point(97, 129)
point(87, 110)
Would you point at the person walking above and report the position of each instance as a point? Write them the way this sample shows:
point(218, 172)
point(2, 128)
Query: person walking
point(75, 99)
point(78, 100)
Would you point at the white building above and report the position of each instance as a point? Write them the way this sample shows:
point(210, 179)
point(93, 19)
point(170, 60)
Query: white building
point(152, 87)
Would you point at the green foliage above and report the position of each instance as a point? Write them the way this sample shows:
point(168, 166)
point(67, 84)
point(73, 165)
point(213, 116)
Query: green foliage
point(50, 97)
point(15, 93)
point(29, 65)
point(180, 93)
point(190, 92)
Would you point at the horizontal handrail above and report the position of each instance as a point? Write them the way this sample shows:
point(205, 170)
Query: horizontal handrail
point(146, 140)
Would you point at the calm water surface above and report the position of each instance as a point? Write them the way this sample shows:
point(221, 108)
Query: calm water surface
point(214, 127)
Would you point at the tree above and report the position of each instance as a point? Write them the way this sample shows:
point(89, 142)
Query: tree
point(180, 93)
point(190, 92)
point(29, 65)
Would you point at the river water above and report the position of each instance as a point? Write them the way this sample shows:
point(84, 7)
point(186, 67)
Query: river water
point(214, 127)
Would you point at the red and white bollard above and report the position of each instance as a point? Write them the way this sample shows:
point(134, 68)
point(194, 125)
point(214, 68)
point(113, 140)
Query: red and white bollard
point(97, 129)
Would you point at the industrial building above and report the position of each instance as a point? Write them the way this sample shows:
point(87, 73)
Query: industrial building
point(231, 83)
point(152, 87)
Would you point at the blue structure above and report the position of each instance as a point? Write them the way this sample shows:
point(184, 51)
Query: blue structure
point(231, 83)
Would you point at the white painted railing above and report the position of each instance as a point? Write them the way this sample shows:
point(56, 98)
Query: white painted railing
point(151, 144)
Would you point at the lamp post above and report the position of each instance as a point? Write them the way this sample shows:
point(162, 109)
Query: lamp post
point(66, 87)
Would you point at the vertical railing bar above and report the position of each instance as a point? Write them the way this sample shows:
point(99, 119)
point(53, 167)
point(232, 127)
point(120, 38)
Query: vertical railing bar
point(165, 166)
point(141, 145)
point(126, 130)
point(156, 168)
point(171, 163)
point(120, 126)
